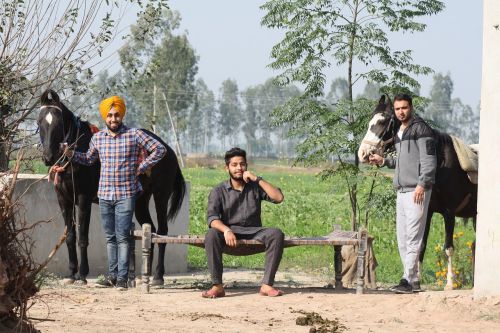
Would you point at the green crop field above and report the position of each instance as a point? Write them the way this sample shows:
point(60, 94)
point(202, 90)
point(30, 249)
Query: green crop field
point(311, 208)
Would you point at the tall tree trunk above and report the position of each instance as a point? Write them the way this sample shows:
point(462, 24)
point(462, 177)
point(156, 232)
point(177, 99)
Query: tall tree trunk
point(353, 189)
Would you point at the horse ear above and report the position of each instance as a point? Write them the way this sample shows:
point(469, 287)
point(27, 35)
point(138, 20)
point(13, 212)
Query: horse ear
point(54, 95)
point(388, 99)
point(45, 99)
point(381, 100)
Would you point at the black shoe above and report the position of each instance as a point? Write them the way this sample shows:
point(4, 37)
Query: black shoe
point(121, 285)
point(402, 288)
point(415, 286)
point(105, 282)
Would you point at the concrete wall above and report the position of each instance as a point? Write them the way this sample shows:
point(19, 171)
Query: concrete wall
point(39, 203)
point(487, 269)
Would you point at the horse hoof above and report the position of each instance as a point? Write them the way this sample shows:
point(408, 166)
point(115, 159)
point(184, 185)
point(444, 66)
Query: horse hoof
point(68, 280)
point(157, 282)
point(131, 283)
point(81, 282)
point(448, 287)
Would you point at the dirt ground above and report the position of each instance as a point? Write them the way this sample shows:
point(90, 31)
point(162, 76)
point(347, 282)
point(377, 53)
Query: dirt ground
point(178, 307)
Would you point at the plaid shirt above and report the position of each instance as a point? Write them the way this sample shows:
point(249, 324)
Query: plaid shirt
point(120, 160)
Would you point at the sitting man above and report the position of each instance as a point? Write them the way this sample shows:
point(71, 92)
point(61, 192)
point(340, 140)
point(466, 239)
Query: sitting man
point(234, 213)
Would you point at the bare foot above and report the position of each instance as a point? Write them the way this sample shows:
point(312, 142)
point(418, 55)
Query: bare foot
point(267, 290)
point(216, 291)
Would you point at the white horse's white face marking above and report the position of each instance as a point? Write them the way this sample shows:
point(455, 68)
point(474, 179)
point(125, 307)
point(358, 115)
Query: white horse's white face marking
point(372, 136)
point(48, 118)
point(371, 139)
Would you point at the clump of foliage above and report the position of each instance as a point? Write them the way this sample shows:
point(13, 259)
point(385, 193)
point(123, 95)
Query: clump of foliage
point(17, 269)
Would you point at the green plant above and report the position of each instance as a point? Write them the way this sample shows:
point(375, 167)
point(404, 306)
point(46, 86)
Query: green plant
point(461, 262)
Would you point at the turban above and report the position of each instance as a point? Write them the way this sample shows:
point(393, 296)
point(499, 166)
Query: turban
point(115, 102)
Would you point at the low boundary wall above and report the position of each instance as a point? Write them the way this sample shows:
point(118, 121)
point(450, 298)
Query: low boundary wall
point(39, 203)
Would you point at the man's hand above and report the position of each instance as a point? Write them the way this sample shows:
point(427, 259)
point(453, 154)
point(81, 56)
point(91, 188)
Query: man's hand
point(56, 169)
point(418, 195)
point(68, 151)
point(248, 176)
point(375, 159)
point(147, 173)
point(230, 238)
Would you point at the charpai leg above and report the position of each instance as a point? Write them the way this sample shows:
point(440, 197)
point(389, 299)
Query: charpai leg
point(146, 258)
point(363, 245)
point(337, 259)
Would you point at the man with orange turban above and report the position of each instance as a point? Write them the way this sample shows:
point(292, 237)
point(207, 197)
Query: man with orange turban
point(119, 149)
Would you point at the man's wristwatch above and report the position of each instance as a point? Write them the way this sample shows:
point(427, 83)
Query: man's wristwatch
point(258, 179)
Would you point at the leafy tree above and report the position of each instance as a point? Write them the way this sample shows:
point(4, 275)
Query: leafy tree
point(321, 34)
point(49, 44)
point(440, 108)
point(269, 97)
point(450, 114)
point(339, 90)
point(201, 118)
point(464, 121)
point(250, 118)
point(229, 116)
point(371, 91)
point(159, 72)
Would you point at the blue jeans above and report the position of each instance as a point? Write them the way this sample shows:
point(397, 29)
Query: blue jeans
point(116, 221)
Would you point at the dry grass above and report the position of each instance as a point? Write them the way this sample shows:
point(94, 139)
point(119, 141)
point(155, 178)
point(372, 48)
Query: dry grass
point(19, 274)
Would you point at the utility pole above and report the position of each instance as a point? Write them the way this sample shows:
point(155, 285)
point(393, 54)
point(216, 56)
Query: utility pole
point(178, 146)
point(154, 109)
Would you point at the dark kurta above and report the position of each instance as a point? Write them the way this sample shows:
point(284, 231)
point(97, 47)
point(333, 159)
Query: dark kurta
point(240, 211)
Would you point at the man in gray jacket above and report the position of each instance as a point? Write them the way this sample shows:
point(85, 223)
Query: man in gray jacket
point(415, 164)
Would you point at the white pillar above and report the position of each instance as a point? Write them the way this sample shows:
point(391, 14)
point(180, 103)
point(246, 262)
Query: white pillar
point(487, 271)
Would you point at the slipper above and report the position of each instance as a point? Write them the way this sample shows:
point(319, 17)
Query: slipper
point(272, 293)
point(212, 293)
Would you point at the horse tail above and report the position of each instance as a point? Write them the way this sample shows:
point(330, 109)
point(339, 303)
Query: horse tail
point(177, 196)
point(49, 97)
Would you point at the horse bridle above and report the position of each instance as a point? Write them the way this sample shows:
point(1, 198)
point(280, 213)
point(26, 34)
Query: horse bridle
point(65, 135)
point(51, 106)
point(382, 144)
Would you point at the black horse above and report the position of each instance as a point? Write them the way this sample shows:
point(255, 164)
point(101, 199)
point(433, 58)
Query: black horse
point(453, 194)
point(77, 185)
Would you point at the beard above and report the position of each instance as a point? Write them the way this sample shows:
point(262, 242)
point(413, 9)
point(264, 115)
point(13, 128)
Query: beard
point(236, 177)
point(116, 129)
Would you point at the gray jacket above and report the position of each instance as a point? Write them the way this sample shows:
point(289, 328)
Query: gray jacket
point(415, 160)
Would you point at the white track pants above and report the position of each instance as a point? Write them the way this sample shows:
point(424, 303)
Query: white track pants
point(410, 226)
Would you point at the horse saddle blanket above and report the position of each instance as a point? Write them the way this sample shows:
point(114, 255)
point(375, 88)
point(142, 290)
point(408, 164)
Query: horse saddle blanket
point(468, 157)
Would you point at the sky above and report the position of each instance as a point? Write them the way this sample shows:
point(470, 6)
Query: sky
point(231, 43)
